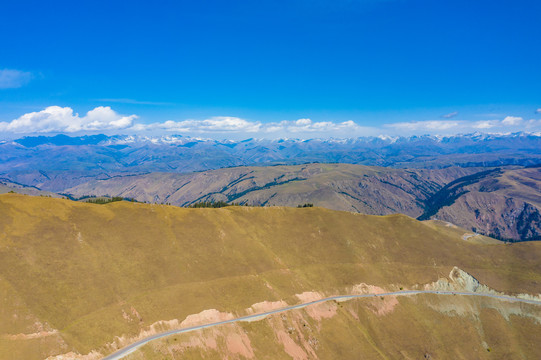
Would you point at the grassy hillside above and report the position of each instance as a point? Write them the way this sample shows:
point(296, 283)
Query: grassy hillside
point(75, 275)
point(503, 203)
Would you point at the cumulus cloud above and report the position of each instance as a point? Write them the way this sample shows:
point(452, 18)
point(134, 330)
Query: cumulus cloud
point(11, 79)
point(56, 119)
point(214, 124)
point(450, 115)
point(508, 122)
point(227, 124)
point(512, 120)
point(538, 111)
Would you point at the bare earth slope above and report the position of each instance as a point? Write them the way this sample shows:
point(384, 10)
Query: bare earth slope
point(80, 278)
point(421, 327)
point(365, 189)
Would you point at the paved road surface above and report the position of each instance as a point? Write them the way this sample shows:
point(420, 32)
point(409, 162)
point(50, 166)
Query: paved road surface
point(130, 348)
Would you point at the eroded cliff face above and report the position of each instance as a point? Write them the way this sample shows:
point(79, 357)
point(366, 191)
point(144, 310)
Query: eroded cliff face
point(415, 328)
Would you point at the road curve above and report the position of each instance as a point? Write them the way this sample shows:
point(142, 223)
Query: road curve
point(132, 347)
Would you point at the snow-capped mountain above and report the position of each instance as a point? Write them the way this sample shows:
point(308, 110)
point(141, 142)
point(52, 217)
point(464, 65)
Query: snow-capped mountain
point(57, 161)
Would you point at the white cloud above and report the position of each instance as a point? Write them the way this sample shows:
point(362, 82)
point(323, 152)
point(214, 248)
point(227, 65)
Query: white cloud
point(308, 126)
point(11, 79)
point(227, 124)
point(431, 125)
point(533, 124)
point(538, 111)
point(486, 124)
point(441, 127)
point(512, 120)
point(303, 122)
point(450, 115)
point(214, 124)
point(56, 119)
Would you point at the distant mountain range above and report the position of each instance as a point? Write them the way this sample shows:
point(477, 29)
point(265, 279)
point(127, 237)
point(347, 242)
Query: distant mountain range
point(449, 178)
point(59, 162)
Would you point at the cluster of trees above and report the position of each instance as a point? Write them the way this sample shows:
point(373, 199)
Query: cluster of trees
point(214, 204)
point(102, 200)
point(202, 204)
point(209, 204)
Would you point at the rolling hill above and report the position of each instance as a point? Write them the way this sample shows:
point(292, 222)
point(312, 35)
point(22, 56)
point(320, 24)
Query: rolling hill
point(81, 280)
point(365, 189)
point(7, 186)
point(504, 203)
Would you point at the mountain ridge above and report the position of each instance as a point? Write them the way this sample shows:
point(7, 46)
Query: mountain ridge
point(468, 197)
point(370, 190)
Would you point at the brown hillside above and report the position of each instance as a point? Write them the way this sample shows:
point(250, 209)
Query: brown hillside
point(364, 189)
point(504, 204)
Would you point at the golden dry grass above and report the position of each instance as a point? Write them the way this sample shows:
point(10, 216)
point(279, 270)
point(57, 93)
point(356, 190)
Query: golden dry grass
point(79, 267)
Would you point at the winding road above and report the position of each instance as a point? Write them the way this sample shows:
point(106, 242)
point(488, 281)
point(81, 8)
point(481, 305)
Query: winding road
point(130, 348)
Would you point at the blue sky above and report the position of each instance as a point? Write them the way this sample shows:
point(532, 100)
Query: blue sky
point(269, 68)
